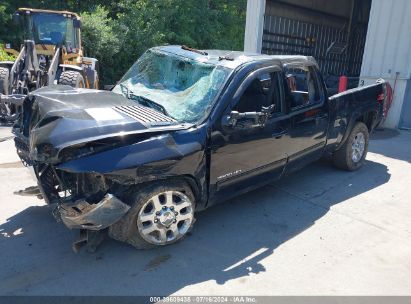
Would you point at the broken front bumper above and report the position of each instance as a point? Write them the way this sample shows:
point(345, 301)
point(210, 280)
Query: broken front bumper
point(83, 201)
point(82, 215)
point(11, 106)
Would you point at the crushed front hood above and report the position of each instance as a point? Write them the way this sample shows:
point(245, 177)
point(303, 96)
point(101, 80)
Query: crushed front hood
point(58, 117)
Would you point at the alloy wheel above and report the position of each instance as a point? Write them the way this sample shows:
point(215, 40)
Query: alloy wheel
point(358, 147)
point(165, 217)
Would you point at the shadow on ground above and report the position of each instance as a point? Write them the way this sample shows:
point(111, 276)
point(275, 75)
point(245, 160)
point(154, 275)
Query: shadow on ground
point(400, 144)
point(228, 242)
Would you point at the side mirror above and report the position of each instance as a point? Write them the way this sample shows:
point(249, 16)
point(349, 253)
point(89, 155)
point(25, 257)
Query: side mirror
point(246, 120)
point(16, 19)
point(77, 23)
point(232, 118)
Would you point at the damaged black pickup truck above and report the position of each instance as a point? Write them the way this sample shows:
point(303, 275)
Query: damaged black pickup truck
point(182, 130)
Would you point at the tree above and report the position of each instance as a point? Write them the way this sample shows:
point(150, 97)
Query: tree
point(102, 40)
point(118, 32)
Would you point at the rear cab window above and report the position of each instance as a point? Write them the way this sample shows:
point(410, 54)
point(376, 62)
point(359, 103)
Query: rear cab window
point(302, 86)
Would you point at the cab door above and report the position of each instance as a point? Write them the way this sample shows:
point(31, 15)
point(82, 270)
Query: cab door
point(307, 108)
point(246, 155)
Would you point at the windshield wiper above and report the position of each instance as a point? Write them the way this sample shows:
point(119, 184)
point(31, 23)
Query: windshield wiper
point(123, 86)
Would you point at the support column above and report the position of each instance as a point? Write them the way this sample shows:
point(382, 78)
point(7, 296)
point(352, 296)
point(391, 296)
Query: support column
point(254, 26)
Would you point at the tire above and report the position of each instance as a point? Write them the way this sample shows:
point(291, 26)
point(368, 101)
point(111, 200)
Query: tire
point(96, 81)
point(4, 81)
point(348, 157)
point(72, 78)
point(92, 81)
point(173, 219)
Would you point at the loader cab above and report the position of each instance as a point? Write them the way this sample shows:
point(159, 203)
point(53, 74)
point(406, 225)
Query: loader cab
point(49, 29)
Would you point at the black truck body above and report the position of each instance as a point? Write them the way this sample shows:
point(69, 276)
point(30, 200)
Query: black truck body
point(94, 148)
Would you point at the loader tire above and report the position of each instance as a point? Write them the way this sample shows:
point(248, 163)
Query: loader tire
point(96, 83)
point(4, 81)
point(72, 78)
point(351, 155)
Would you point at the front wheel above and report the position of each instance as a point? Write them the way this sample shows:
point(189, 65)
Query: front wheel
point(4, 81)
point(351, 155)
point(96, 82)
point(72, 78)
point(161, 214)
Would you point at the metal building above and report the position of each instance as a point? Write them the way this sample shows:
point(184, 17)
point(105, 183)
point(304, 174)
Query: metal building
point(362, 39)
point(387, 55)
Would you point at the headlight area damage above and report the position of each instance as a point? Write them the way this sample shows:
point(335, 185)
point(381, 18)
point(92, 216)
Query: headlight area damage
point(91, 151)
point(83, 201)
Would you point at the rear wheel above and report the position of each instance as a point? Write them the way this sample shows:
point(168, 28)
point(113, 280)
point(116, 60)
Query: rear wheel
point(72, 78)
point(96, 81)
point(351, 155)
point(162, 214)
point(4, 81)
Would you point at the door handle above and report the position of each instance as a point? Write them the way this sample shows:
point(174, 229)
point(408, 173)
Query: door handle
point(279, 134)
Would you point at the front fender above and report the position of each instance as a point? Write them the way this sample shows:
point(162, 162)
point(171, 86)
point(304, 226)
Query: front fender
point(71, 67)
point(170, 155)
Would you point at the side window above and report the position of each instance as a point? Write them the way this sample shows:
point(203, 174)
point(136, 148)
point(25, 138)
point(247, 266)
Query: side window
point(76, 39)
point(303, 86)
point(262, 92)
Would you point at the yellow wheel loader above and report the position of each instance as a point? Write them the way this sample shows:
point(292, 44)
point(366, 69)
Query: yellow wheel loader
point(51, 54)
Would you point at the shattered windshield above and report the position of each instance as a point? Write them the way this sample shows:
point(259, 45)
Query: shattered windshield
point(183, 87)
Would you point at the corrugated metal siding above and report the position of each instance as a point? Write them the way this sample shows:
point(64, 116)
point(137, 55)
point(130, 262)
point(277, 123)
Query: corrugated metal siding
point(317, 14)
point(388, 46)
point(288, 36)
point(388, 52)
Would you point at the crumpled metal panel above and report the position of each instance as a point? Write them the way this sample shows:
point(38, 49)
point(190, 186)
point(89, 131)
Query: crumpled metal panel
point(58, 117)
point(82, 215)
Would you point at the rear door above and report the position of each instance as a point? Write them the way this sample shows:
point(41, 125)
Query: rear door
point(243, 156)
point(308, 111)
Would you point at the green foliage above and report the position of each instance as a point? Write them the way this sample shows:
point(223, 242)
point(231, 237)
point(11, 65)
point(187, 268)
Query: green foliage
point(204, 24)
point(5, 56)
point(118, 32)
point(102, 41)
